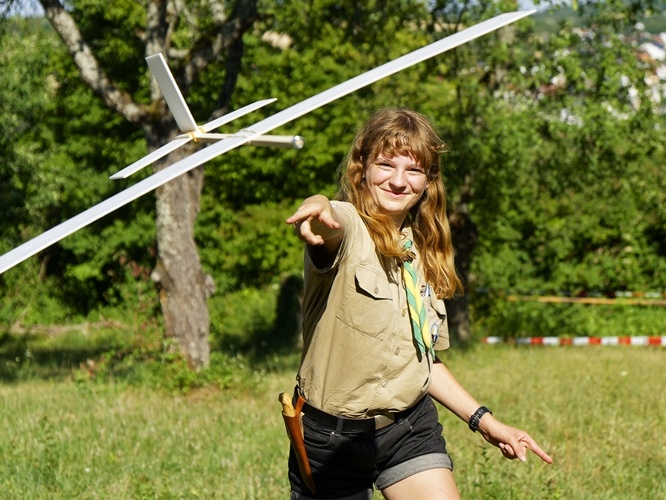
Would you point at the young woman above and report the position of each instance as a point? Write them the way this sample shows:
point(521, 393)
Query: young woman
point(378, 266)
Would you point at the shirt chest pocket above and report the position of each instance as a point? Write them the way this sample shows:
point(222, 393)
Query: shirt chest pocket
point(371, 307)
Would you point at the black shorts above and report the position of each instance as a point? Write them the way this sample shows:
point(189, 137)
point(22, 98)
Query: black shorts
point(346, 464)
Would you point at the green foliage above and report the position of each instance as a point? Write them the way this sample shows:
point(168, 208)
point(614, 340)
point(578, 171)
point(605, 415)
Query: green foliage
point(162, 367)
point(28, 300)
point(555, 150)
point(252, 247)
point(258, 322)
point(495, 315)
point(114, 30)
point(64, 144)
point(23, 95)
point(243, 319)
point(554, 145)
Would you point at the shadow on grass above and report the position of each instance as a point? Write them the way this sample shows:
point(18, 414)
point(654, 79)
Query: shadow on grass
point(29, 356)
point(22, 357)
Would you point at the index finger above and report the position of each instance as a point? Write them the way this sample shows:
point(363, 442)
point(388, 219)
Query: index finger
point(536, 449)
point(299, 215)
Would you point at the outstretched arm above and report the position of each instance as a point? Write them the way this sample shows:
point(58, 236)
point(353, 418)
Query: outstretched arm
point(512, 442)
point(318, 224)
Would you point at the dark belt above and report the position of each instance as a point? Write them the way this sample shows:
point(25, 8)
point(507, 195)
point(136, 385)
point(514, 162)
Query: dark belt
point(342, 424)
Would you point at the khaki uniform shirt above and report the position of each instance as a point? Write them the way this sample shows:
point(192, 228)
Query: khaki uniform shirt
point(359, 355)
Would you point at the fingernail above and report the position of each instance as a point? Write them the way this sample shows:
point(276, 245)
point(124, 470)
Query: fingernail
point(522, 458)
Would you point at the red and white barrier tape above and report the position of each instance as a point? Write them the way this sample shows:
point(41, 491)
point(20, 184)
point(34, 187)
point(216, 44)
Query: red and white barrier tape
point(579, 341)
point(621, 294)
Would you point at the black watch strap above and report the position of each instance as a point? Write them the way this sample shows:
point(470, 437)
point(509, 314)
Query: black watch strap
point(476, 417)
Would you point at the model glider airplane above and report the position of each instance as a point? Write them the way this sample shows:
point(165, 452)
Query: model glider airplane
point(187, 125)
point(254, 134)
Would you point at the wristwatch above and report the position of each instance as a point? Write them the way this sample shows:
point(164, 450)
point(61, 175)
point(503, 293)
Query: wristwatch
point(476, 417)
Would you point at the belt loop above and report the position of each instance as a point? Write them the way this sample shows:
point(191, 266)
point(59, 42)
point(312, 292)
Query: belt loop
point(339, 426)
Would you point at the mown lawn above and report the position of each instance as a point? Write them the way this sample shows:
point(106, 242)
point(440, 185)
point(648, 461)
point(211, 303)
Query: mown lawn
point(599, 411)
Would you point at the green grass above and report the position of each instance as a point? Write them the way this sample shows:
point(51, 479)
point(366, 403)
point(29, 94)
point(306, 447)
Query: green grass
point(600, 412)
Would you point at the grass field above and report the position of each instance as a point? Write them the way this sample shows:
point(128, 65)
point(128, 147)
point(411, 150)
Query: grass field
point(599, 411)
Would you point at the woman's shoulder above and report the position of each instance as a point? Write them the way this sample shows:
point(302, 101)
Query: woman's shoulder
point(352, 220)
point(357, 244)
point(345, 207)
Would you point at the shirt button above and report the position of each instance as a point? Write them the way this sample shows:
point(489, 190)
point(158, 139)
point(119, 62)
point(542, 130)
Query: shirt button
point(404, 311)
point(384, 383)
point(397, 351)
point(376, 290)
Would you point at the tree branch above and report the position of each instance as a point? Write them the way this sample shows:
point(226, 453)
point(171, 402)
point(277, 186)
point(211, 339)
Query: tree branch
point(88, 66)
point(206, 50)
point(233, 68)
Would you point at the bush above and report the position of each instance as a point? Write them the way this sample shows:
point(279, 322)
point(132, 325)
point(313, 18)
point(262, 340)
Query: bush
point(164, 368)
point(258, 320)
point(493, 316)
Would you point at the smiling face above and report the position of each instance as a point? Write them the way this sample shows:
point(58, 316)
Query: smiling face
point(393, 170)
point(395, 184)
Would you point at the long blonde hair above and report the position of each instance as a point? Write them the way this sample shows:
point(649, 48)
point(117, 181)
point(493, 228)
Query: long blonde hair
point(390, 132)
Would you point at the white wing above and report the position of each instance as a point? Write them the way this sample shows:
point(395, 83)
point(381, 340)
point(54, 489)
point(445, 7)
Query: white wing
point(151, 158)
point(160, 178)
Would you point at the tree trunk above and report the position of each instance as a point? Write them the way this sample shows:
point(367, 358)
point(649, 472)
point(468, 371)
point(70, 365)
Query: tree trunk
point(464, 234)
point(183, 285)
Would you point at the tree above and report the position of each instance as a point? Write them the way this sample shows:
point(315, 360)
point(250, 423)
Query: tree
point(553, 138)
point(193, 36)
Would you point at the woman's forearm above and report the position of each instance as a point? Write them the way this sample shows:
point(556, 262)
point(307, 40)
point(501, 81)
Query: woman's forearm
point(447, 391)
